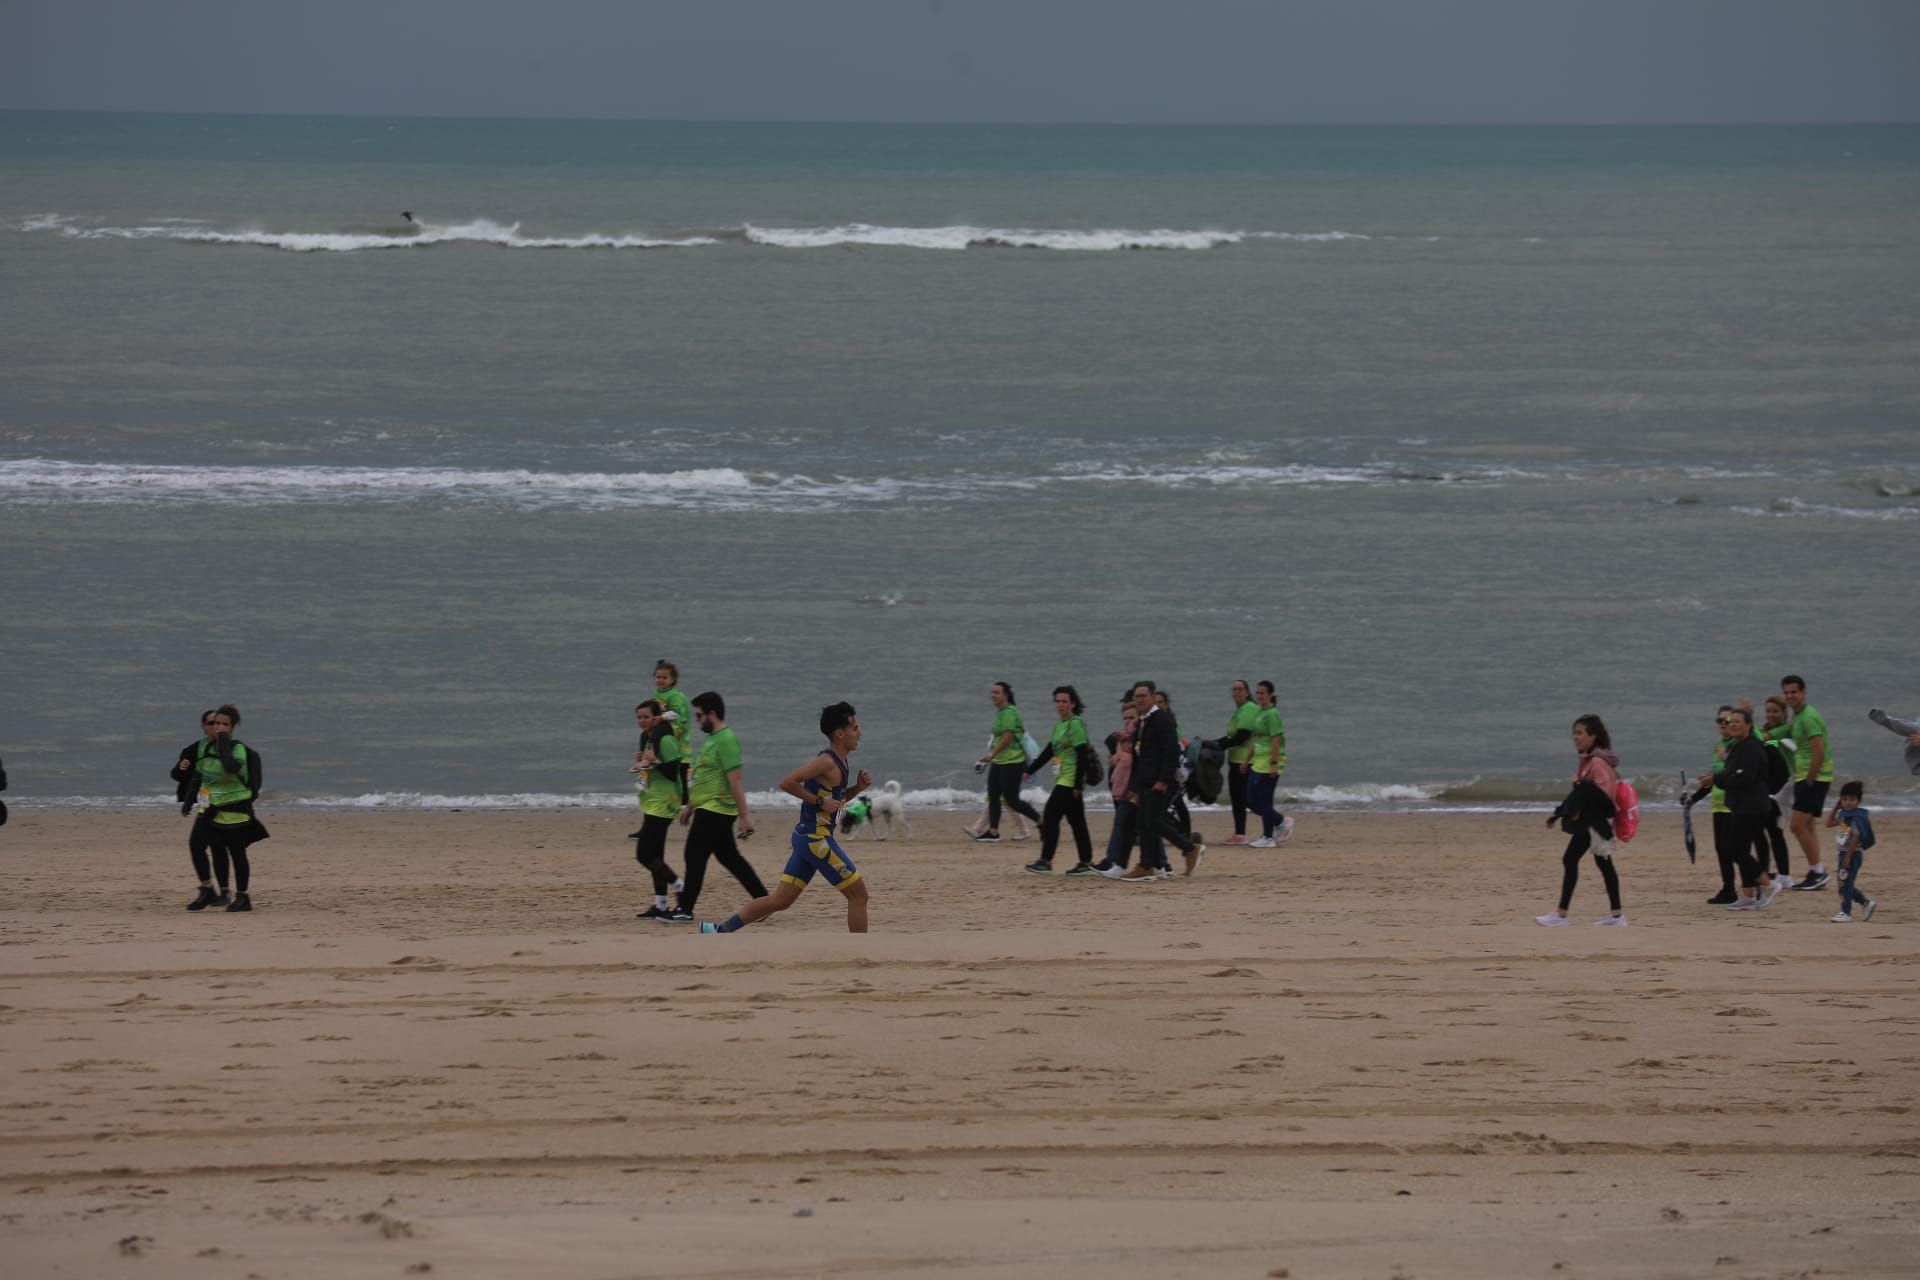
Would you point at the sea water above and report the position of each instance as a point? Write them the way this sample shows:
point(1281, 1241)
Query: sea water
point(1452, 433)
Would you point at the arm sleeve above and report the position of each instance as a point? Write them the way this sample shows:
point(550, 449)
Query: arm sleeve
point(1046, 754)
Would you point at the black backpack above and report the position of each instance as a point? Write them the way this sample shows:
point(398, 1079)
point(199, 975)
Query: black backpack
point(1779, 767)
point(1087, 771)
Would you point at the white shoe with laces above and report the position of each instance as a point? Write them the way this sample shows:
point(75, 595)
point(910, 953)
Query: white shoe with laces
point(1619, 917)
point(1843, 918)
point(1552, 920)
point(1283, 832)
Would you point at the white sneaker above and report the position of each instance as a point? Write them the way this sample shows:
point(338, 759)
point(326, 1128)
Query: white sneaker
point(1115, 872)
point(1772, 891)
point(1604, 921)
point(1283, 832)
point(1551, 920)
point(1744, 904)
point(1261, 843)
point(1866, 912)
point(1843, 918)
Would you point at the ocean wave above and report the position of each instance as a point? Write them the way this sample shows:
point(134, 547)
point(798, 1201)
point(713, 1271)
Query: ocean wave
point(1284, 475)
point(42, 482)
point(420, 235)
point(952, 238)
point(1794, 508)
point(510, 235)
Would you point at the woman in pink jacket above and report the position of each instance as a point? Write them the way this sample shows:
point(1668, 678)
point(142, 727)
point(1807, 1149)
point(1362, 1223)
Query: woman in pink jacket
point(1586, 815)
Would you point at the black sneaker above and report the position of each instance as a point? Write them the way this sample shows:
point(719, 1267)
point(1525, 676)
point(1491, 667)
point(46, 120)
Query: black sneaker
point(676, 915)
point(1722, 898)
point(241, 902)
point(1080, 869)
point(206, 899)
point(1039, 868)
point(988, 837)
point(1104, 865)
point(635, 835)
point(652, 913)
point(1815, 880)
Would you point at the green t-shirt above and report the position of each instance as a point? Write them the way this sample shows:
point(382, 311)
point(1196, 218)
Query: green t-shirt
point(1719, 797)
point(1069, 736)
point(719, 756)
point(1806, 725)
point(1242, 718)
point(1266, 727)
point(1008, 721)
point(675, 701)
point(662, 796)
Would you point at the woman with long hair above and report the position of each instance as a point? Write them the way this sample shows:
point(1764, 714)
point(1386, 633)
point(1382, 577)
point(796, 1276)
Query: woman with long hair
point(1006, 761)
point(1586, 815)
point(1064, 801)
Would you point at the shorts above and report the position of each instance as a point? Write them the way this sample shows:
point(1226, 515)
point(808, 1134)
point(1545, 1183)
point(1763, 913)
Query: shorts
point(1810, 797)
point(816, 853)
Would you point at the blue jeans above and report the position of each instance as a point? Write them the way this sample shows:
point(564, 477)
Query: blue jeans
point(1260, 789)
point(1849, 894)
point(1120, 839)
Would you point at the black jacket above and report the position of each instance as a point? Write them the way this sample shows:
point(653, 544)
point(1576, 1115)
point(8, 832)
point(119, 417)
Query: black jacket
point(1156, 755)
point(1743, 777)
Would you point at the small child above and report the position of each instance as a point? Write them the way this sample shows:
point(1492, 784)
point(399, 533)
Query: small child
point(1851, 844)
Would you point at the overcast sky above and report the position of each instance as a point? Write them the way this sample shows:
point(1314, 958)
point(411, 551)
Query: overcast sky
point(1150, 61)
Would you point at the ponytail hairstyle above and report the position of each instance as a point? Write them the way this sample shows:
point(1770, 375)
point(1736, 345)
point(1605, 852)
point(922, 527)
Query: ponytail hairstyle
point(1005, 688)
point(230, 711)
point(1073, 695)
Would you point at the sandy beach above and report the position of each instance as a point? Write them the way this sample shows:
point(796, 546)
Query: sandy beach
point(442, 1045)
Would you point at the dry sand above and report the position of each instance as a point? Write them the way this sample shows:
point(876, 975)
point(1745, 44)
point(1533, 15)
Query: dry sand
point(442, 1045)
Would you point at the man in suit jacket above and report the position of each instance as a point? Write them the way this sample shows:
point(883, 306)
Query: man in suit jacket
point(1153, 784)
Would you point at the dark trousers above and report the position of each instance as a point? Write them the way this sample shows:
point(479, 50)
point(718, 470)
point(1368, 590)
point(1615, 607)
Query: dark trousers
point(1260, 800)
point(711, 836)
point(1156, 827)
point(1237, 797)
point(1777, 839)
point(1003, 787)
point(229, 847)
point(1723, 849)
point(650, 850)
point(199, 840)
point(1120, 839)
point(1065, 802)
point(1747, 840)
point(1570, 870)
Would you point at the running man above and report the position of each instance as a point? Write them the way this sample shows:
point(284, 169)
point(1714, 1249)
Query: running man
point(1812, 775)
point(823, 786)
point(716, 809)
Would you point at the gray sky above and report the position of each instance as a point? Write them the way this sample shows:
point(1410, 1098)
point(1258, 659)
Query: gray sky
point(1152, 61)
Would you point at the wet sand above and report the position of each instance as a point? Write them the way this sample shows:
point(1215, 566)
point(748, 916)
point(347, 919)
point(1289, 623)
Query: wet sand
point(442, 1045)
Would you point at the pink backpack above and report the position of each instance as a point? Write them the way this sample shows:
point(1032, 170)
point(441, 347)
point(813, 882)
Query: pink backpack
point(1626, 805)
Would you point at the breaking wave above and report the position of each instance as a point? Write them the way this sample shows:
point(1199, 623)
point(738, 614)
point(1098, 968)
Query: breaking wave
point(511, 235)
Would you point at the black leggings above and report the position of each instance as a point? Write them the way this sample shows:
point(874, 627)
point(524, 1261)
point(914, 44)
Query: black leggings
point(650, 850)
point(1003, 787)
point(711, 836)
point(227, 847)
point(1748, 846)
point(1777, 839)
point(199, 840)
point(1570, 870)
point(1065, 802)
point(1237, 797)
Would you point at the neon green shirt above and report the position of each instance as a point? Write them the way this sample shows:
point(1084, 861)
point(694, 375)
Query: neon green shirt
point(1008, 721)
point(1266, 727)
point(675, 701)
point(662, 796)
point(1069, 736)
point(1806, 725)
point(1719, 797)
point(1243, 717)
point(719, 756)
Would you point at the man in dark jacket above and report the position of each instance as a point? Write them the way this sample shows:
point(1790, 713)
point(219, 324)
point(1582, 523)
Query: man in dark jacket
point(1743, 781)
point(1153, 784)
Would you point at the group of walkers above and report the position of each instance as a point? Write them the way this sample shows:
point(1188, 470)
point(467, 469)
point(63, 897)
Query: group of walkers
point(1767, 780)
point(1151, 765)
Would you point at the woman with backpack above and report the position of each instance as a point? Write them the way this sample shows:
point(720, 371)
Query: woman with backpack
point(1586, 815)
point(1068, 741)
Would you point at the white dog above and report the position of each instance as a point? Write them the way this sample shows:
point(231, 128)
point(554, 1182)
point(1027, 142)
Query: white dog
point(884, 810)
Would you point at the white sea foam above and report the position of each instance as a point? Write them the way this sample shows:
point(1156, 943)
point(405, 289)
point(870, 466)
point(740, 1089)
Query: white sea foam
point(43, 482)
point(415, 236)
point(1794, 508)
point(509, 235)
point(967, 237)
